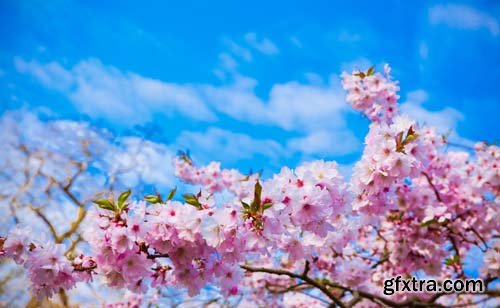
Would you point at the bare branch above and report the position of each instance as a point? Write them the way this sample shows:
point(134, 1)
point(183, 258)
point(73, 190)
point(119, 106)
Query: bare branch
point(305, 278)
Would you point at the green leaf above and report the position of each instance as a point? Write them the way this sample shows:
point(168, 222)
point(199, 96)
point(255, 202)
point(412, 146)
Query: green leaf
point(245, 205)
point(428, 223)
point(194, 203)
point(171, 194)
point(123, 198)
point(267, 205)
point(152, 199)
point(370, 71)
point(411, 135)
point(105, 204)
point(189, 196)
point(395, 216)
point(452, 260)
point(399, 142)
point(410, 138)
point(192, 200)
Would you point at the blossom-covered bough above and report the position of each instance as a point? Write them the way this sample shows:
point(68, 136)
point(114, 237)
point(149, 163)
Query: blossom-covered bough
point(303, 237)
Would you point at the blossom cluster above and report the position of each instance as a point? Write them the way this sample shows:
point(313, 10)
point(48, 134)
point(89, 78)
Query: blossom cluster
point(130, 246)
point(207, 243)
point(372, 93)
point(48, 268)
point(411, 205)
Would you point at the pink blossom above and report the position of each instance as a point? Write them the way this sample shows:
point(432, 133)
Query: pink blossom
point(17, 244)
point(411, 205)
point(49, 270)
point(120, 240)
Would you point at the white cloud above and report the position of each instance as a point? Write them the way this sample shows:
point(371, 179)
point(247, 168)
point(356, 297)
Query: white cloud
point(444, 120)
point(295, 106)
point(291, 106)
point(130, 159)
point(325, 143)
point(463, 17)
point(128, 98)
point(218, 144)
point(314, 78)
point(139, 161)
point(423, 50)
point(227, 62)
point(265, 45)
point(296, 41)
point(348, 37)
point(238, 50)
point(51, 74)
point(418, 96)
point(106, 92)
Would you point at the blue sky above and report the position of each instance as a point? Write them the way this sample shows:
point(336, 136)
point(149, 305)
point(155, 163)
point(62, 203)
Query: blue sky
point(253, 85)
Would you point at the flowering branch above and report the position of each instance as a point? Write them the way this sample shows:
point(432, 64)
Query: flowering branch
point(382, 222)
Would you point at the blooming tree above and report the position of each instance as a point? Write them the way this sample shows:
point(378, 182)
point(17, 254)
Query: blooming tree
point(49, 173)
point(303, 237)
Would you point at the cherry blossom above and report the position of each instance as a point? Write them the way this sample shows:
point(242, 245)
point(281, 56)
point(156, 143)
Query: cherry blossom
point(304, 236)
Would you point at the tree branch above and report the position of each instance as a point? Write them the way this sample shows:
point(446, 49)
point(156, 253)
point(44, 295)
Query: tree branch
point(47, 222)
point(305, 278)
point(436, 192)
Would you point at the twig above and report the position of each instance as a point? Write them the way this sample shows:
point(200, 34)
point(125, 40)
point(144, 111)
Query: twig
point(44, 218)
point(436, 192)
point(157, 255)
point(305, 278)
